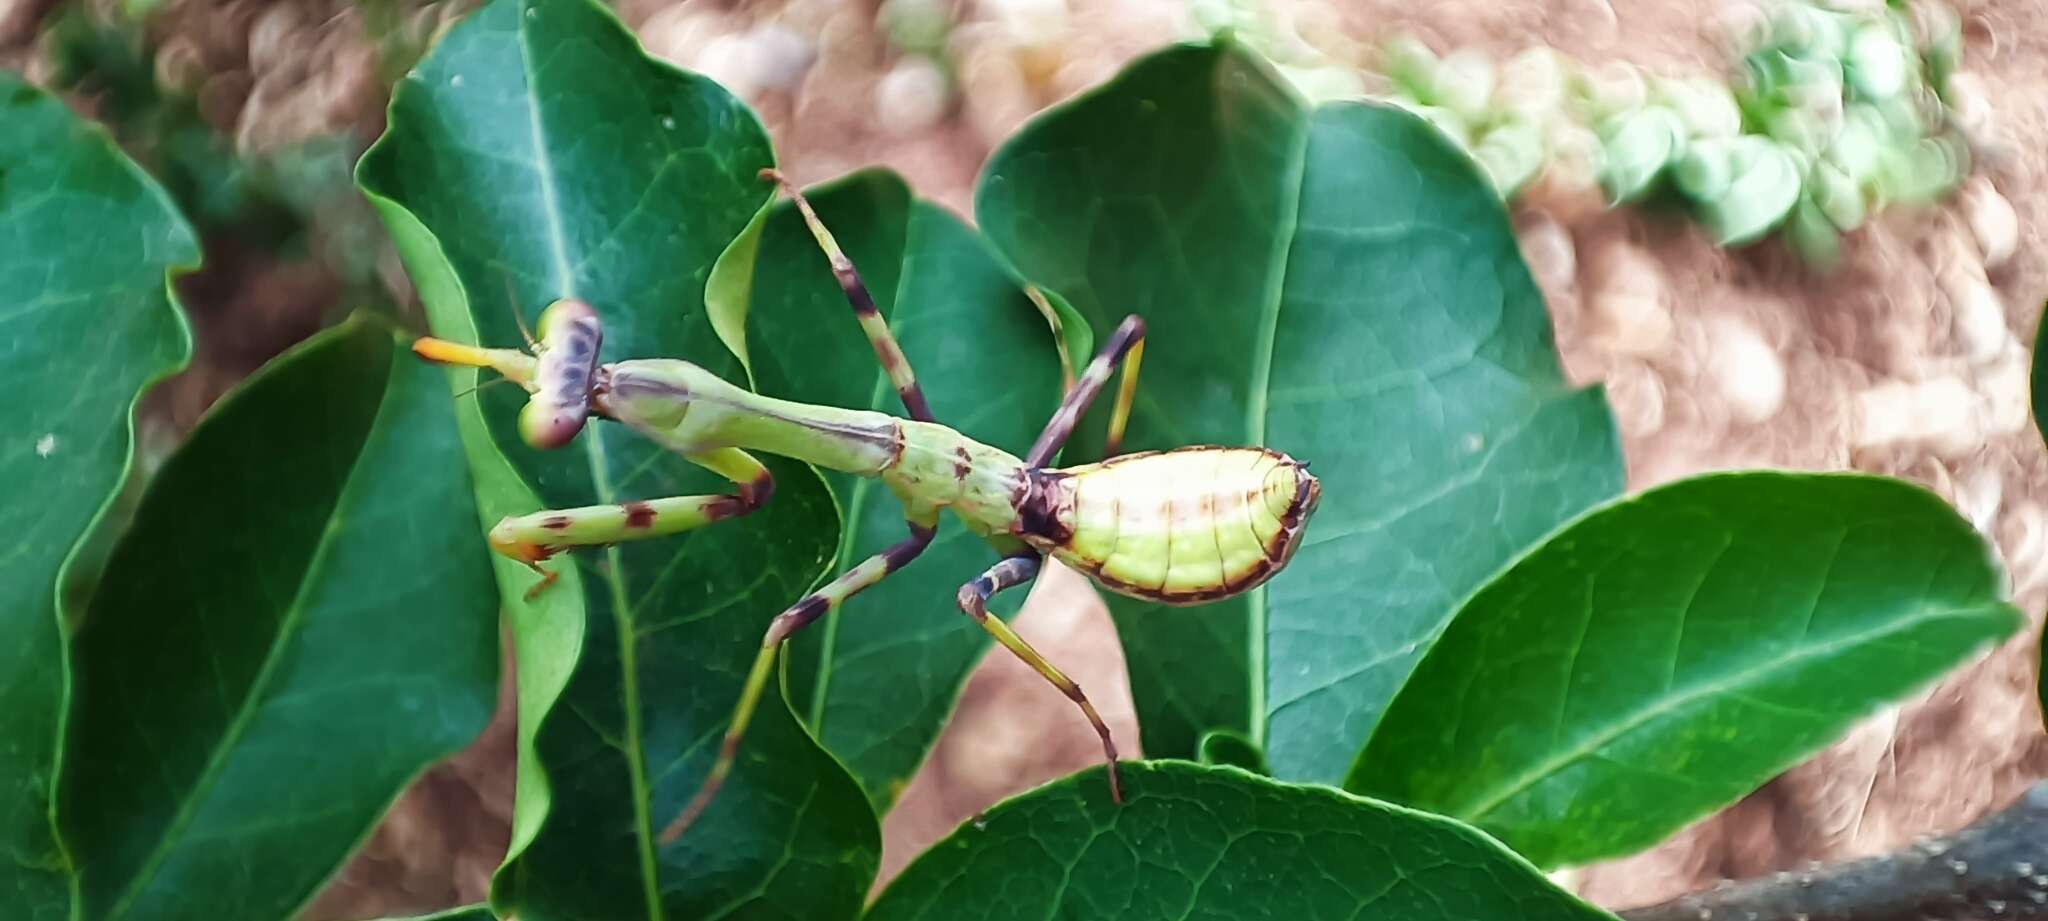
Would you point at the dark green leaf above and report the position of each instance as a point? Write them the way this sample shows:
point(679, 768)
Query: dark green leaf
point(466, 913)
point(1340, 285)
point(538, 153)
point(1221, 746)
point(2040, 381)
point(298, 621)
point(1667, 654)
point(86, 241)
point(1195, 842)
point(878, 676)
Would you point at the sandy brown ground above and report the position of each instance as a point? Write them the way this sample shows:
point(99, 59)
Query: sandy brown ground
point(1907, 359)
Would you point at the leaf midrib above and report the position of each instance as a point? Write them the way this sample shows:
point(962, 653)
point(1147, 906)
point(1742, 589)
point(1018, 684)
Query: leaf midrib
point(259, 688)
point(1734, 681)
point(1260, 386)
point(622, 616)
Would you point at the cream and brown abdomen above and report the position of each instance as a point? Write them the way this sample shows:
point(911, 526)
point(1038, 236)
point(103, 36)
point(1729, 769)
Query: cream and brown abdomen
point(1180, 527)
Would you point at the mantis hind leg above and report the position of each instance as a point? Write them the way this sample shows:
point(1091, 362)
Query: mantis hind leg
point(1126, 348)
point(871, 322)
point(973, 598)
point(531, 539)
point(796, 617)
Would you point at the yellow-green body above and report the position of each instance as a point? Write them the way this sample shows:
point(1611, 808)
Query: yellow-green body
point(1181, 527)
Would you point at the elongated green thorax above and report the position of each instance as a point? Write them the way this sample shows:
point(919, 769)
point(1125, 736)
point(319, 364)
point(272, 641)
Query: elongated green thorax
point(928, 466)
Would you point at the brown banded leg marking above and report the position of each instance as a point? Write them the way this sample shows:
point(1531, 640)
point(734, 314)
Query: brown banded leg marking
point(796, 617)
point(871, 322)
point(530, 539)
point(1126, 346)
point(973, 598)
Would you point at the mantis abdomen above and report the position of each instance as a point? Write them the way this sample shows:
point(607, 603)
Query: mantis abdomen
point(1179, 527)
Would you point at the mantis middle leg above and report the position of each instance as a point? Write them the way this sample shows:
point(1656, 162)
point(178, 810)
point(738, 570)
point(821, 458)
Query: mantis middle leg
point(1014, 571)
point(796, 617)
point(871, 322)
point(1126, 347)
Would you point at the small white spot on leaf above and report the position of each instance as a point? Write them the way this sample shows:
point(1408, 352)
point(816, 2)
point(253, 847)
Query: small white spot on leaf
point(46, 445)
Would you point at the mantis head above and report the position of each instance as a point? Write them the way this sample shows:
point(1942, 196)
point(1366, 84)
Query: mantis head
point(560, 372)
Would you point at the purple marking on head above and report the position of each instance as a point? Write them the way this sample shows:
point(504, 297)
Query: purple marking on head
point(570, 336)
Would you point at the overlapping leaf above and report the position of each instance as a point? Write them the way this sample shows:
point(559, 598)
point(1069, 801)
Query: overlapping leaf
point(299, 620)
point(1665, 655)
point(877, 678)
point(1195, 842)
point(86, 321)
point(537, 154)
point(1338, 284)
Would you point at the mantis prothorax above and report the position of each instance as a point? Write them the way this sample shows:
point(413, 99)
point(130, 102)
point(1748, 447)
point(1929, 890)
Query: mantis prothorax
point(1180, 527)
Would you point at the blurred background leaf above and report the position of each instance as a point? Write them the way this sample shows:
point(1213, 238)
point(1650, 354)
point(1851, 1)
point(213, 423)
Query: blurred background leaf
point(244, 707)
point(87, 244)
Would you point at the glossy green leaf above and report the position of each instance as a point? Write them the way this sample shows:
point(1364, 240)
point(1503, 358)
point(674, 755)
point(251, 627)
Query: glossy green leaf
point(1339, 284)
point(1667, 654)
point(878, 676)
point(298, 621)
point(86, 321)
point(1222, 746)
point(1194, 842)
point(538, 153)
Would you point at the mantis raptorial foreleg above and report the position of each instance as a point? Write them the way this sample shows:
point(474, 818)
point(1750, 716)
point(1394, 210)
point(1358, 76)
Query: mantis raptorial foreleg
point(1126, 347)
point(796, 617)
point(538, 536)
point(973, 598)
point(871, 321)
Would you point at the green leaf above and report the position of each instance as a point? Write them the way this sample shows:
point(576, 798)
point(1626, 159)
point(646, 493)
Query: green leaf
point(1812, 235)
point(2040, 382)
point(1763, 186)
point(86, 321)
point(1878, 64)
point(299, 620)
point(1341, 285)
point(1638, 146)
point(538, 153)
point(1194, 842)
point(1221, 746)
point(465, 913)
point(878, 676)
point(2040, 388)
point(1667, 654)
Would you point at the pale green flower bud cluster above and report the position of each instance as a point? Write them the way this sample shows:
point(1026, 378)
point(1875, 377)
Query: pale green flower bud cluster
point(1834, 111)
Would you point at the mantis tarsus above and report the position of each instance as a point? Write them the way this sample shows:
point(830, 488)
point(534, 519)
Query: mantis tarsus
point(1180, 527)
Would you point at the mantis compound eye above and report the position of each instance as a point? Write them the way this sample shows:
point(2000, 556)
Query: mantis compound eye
point(569, 338)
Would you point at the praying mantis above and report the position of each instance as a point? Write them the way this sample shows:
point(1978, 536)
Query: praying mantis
point(1179, 527)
